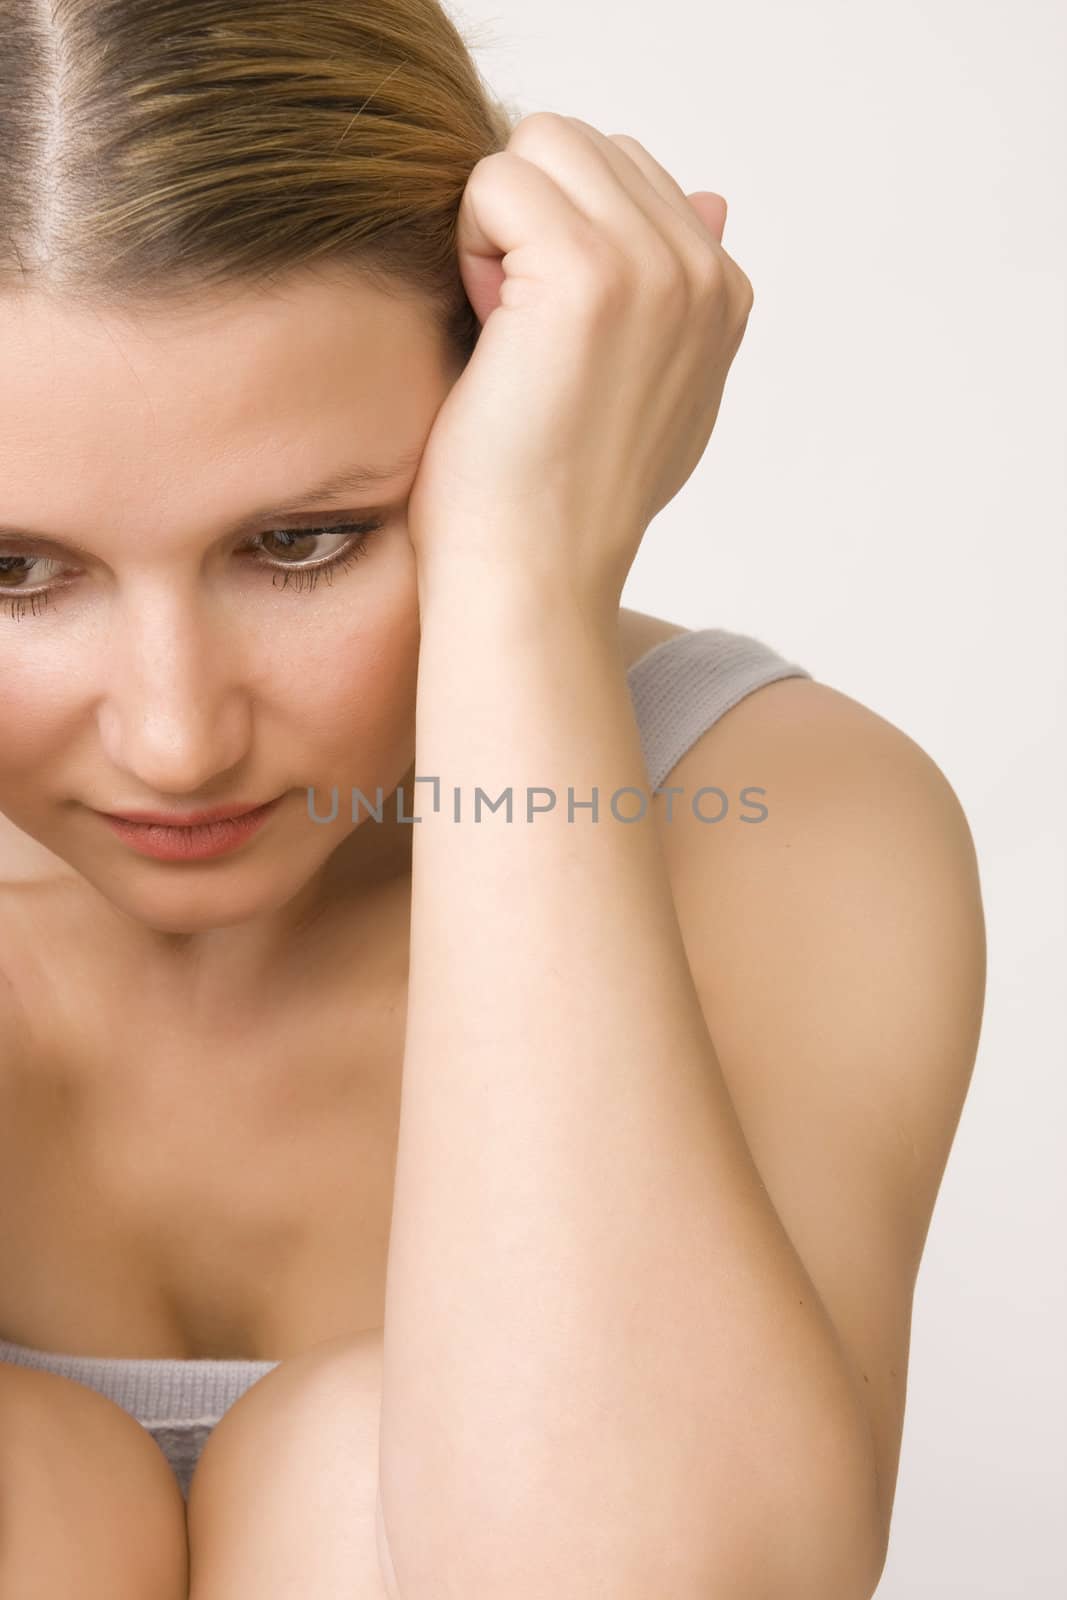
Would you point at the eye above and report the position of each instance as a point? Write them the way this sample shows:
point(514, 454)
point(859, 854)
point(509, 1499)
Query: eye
point(307, 571)
point(13, 573)
point(315, 550)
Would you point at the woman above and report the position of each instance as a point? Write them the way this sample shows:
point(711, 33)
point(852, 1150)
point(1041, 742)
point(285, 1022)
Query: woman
point(284, 533)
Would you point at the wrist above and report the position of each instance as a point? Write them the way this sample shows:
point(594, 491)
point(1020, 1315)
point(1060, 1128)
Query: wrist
point(526, 604)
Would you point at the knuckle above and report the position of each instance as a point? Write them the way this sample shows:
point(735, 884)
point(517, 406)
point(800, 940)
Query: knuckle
point(487, 172)
point(664, 277)
point(625, 141)
point(594, 268)
point(605, 293)
point(492, 166)
point(661, 268)
point(735, 277)
point(536, 127)
point(708, 274)
point(740, 302)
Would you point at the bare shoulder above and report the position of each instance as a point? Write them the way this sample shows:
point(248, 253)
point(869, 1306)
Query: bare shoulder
point(641, 633)
point(835, 776)
point(838, 950)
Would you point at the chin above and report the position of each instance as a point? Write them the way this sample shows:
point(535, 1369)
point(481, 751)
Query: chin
point(200, 899)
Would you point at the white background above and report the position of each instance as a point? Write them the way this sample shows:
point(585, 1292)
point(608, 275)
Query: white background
point(883, 501)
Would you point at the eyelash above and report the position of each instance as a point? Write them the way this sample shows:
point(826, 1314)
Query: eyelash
point(307, 577)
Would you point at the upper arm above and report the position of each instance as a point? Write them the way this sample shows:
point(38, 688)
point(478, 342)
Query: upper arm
point(838, 949)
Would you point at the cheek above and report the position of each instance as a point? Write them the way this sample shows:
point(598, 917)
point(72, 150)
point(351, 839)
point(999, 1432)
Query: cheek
point(357, 699)
point(38, 713)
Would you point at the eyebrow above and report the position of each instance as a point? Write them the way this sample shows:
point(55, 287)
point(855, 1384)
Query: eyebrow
point(357, 479)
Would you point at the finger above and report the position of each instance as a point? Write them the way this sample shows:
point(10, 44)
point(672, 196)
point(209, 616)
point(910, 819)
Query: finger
point(663, 203)
point(704, 213)
point(513, 209)
point(706, 207)
point(625, 154)
point(712, 210)
point(614, 195)
point(668, 186)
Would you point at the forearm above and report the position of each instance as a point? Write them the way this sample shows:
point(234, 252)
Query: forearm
point(604, 1363)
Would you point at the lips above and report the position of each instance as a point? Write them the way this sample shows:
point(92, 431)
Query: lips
point(192, 842)
point(188, 819)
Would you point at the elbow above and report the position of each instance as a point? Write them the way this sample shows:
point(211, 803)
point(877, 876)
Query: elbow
point(824, 1541)
point(811, 1527)
point(846, 1565)
point(813, 1536)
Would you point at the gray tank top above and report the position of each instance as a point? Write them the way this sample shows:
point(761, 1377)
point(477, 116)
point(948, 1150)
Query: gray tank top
point(679, 689)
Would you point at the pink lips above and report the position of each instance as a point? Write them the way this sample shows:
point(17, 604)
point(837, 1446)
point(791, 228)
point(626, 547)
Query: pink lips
point(214, 833)
point(179, 819)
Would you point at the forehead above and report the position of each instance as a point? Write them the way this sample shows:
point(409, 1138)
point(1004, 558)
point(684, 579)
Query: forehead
point(97, 402)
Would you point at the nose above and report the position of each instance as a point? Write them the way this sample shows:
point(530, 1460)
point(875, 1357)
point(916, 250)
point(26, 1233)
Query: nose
point(176, 712)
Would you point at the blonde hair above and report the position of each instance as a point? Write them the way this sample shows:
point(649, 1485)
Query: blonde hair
point(154, 151)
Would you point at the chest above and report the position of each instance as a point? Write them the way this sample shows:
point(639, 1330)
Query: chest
point(178, 1186)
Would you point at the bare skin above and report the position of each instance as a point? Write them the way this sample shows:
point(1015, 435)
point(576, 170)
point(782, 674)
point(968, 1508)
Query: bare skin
point(139, 1133)
point(185, 1036)
point(295, 1460)
point(200, 1063)
point(128, 1109)
point(88, 1504)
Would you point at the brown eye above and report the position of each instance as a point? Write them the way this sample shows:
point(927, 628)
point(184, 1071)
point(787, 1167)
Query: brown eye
point(15, 594)
point(313, 552)
point(309, 564)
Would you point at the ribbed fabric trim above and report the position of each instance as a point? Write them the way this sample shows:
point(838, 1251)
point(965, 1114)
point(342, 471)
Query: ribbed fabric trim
point(171, 1391)
point(178, 1402)
point(686, 683)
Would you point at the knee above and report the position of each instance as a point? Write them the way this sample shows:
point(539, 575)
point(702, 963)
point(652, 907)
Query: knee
point(288, 1479)
point(313, 1417)
point(85, 1494)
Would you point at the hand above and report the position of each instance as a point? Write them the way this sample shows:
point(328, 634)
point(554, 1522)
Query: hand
point(611, 317)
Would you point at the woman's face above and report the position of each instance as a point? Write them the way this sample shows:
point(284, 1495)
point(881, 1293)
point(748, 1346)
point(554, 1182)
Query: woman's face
point(165, 642)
